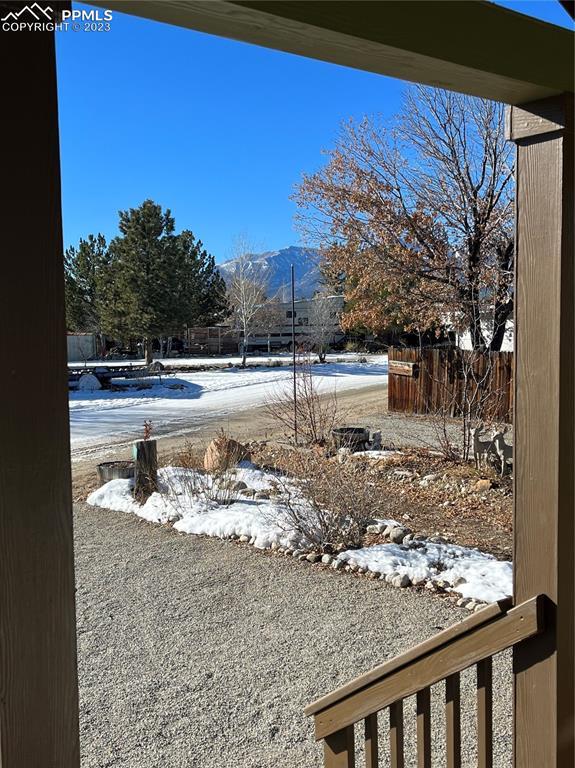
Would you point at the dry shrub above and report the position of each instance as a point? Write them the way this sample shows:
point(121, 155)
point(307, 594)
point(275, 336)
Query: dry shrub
point(468, 395)
point(327, 503)
point(188, 484)
point(317, 412)
point(189, 456)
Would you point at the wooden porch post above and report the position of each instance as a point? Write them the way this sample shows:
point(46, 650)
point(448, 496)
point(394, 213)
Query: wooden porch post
point(544, 428)
point(38, 679)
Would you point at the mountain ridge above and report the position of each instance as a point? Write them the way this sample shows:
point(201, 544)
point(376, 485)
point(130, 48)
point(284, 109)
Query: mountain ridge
point(276, 267)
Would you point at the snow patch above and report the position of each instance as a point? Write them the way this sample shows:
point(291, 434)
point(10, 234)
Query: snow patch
point(486, 578)
point(186, 498)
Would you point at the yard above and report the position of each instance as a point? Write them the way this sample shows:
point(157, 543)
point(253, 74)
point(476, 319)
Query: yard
point(200, 652)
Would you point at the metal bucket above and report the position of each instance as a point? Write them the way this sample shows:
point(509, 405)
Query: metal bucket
point(116, 470)
point(354, 438)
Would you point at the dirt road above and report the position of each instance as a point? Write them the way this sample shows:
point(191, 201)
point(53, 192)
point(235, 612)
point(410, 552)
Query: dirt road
point(365, 406)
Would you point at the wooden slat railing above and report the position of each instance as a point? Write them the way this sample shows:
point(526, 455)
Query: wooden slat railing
point(473, 641)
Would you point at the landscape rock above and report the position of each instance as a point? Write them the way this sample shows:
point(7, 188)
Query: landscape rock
point(337, 565)
point(244, 539)
point(398, 534)
point(223, 452)
point(343, 454)
point(89, 383)
point(313, 557)
point(262, 495)
point(401, 581)
point(391, 576)
point(326, 559)
point(403, 474)
point(376, 528)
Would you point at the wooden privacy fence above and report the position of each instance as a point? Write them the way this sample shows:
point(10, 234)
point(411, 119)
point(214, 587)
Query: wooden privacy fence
point(449, 380)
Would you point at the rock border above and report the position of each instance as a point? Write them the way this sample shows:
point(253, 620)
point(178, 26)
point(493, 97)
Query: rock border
point(330, 562)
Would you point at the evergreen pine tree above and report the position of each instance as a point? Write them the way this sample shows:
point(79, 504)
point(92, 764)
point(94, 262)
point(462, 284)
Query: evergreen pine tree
point(82, 265)
point(202, 298)
point(154, 282)
point(136, 289)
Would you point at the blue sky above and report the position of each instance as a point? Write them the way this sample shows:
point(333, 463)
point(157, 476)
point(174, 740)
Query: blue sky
point(216, 130)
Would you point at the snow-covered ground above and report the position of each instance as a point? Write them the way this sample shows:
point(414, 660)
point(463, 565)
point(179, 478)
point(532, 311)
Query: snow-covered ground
point(177, 403)
point(186, 499)
point(224, 361)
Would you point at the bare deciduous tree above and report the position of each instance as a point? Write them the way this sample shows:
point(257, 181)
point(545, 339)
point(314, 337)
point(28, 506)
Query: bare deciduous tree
point(247, 293)
point(476, 398)
point(317, 412)
point(416, 216)
point(323, 323)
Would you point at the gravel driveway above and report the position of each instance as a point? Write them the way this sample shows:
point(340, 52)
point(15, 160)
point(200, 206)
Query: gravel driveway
point(203, 653)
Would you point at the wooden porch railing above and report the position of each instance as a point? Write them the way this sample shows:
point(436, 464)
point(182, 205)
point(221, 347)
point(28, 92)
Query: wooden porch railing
point(473, 641)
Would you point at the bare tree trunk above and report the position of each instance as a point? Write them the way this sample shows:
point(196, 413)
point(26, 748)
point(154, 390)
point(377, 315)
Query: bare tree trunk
point(148, 350)
point(244, 349)
point(503, 309)
point(501, 315)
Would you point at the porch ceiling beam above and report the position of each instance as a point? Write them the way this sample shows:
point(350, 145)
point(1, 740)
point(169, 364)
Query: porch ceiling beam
point(463, 46)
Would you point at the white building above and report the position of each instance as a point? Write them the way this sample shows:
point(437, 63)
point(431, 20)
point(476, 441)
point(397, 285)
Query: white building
point(314, 317)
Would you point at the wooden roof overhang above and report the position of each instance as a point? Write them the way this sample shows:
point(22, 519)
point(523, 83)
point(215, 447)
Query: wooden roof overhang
point(462, 46)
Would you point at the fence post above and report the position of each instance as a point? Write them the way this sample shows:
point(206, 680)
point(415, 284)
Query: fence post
point(146, 474)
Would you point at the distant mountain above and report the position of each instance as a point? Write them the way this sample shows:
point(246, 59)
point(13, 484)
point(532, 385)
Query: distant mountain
point(275, 265)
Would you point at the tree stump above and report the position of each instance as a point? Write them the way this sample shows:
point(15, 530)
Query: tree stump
point(146, 474)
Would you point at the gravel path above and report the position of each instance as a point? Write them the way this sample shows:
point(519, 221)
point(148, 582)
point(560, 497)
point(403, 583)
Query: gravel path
point(203, 653)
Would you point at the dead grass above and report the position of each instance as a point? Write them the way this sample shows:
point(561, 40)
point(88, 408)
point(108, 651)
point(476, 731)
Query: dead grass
point(448, 506)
